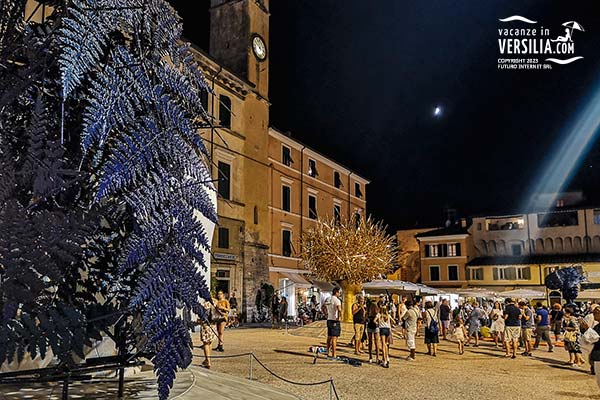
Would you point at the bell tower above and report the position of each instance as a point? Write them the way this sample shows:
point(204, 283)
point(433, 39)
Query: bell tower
point(239, 39)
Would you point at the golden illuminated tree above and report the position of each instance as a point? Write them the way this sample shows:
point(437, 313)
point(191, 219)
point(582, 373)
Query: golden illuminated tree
point(350, 252)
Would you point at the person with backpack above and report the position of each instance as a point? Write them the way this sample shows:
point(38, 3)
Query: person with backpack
point(475, 317)
point(432, 329)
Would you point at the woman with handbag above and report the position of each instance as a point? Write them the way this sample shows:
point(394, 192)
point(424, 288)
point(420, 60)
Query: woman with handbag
point(571, 337)
point(206, 333)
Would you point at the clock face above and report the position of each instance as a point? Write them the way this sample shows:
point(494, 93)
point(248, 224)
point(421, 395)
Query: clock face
point(259, 48)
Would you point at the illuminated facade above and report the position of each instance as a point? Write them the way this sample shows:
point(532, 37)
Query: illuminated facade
point(518, 251)
point(305, 186)
point(444, 254)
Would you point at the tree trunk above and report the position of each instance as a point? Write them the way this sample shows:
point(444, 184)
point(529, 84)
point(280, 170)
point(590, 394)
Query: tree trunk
point(349, 292)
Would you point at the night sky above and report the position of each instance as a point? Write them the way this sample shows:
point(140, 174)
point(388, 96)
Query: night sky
point(359, 81)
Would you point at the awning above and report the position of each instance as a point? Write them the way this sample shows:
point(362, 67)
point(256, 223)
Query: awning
point(298, 279)
point(592, 294)
point(393, 285)
point(476, 292)
point(322, 285)
point(524, 294)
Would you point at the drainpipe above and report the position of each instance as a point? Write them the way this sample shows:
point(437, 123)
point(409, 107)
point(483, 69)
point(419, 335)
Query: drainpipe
point(529, 236)
point(301, 194)
point(212, 125)
point(587, 247)
point(349, 205)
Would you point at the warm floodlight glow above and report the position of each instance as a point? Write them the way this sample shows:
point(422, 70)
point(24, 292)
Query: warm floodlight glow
point(569, 153)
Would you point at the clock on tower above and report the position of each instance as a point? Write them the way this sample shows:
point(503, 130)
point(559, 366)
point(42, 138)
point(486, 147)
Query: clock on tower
point(239, 32)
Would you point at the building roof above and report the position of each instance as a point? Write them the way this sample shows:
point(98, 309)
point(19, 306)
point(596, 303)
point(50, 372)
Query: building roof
point(288, 136)
point(536, 259)
point(448, 231)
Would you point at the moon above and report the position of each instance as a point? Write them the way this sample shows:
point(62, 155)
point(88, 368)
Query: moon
point(437, 111)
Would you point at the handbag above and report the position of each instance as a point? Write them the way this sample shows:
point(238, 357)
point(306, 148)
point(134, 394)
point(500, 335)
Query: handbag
point(591, 336)
point(570, 336)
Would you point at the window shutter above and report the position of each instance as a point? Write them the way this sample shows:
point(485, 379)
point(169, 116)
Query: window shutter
point(527, 273)
point(495, 274)
point(426, 250)
point(442, 250)
point(458, 250)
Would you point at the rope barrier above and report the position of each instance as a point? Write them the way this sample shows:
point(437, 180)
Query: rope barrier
point(253, 356)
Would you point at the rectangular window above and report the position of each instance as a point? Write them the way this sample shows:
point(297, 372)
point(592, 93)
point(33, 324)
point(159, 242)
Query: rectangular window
point(337, 213)
point(434, 273)
point(204, 99)
point(433, 250)
point(223, 238)
point(512, 273)
point(475, 274)
point(224, 171)
point(452, 272)
point(223, 277)
point(357, 219)
point(516, 249)
point(453, 250)
point(337, 180)
point(597, 217)
point(286, 155)
point(225, 111)
point(357, 191)
point(479, 226)
point(312, 207)
point(312, 168)
point(286, 198)
point(286, 243)
point(557, 219)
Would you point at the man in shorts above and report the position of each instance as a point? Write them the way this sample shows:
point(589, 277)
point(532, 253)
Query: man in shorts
point(411, 318)
point(334, 329)
point(512, 327)
point(526, 327)
point(445, 312)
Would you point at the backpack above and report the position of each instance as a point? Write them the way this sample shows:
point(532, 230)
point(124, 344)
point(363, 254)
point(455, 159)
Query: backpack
point(434, 327)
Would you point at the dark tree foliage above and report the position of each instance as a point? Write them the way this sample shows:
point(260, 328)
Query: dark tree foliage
point(566, 280)
point(102, 180)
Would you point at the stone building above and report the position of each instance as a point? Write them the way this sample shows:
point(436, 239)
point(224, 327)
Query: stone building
point(305, 185)
point(519, 251)
point(257, 240)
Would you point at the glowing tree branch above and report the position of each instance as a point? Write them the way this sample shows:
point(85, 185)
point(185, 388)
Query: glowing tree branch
point(348, 252)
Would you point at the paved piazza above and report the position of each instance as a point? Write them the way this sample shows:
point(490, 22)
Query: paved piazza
point(481, 373)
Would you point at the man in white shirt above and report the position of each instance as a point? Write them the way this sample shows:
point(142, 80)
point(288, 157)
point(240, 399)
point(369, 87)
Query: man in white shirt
point(334, 311)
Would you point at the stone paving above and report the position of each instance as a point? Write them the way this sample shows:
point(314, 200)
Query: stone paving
point(481, 373)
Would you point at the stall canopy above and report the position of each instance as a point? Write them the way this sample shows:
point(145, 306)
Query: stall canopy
point(592, 294)
point(298, 279)
point(399, 286)
point(523, 294)
point(476, 292)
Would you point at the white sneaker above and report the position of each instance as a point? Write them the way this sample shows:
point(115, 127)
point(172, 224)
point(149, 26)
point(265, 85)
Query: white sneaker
point(409, 358)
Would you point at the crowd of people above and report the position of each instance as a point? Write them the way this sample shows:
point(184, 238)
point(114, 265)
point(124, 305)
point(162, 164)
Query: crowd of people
point(512, 324)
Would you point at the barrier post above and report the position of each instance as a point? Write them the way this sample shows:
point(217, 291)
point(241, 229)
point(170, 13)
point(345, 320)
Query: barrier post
point(251, 357)
point(330, 388)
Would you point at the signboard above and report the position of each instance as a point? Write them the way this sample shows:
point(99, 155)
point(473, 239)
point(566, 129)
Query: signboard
point(224, 256)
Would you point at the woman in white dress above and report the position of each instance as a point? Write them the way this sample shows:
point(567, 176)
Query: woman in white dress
point(497, 328)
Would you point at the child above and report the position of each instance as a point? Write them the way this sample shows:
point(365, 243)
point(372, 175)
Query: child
point(384, 323)
point(460, 333)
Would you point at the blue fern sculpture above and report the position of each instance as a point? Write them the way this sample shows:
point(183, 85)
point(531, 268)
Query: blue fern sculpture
point(102, 176)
